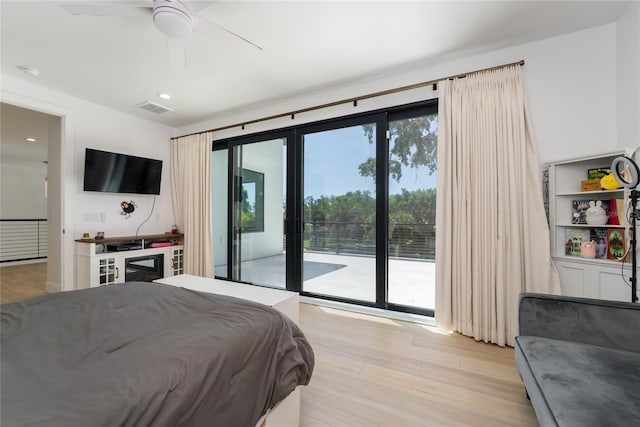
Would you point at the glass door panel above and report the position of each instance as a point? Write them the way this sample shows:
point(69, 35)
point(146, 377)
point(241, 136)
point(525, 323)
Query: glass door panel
point(339, 213)
point(412, 211)
point(260, 206)
point(220, 210)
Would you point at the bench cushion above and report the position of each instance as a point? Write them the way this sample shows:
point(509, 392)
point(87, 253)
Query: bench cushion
point(580, 384)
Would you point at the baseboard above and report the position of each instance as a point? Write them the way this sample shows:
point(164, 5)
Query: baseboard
point(23, 262)
point(52, 287)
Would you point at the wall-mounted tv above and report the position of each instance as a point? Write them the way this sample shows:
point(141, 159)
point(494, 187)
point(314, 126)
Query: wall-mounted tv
point(121, 173)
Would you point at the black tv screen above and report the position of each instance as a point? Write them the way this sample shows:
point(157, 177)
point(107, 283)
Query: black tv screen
point(121, 173)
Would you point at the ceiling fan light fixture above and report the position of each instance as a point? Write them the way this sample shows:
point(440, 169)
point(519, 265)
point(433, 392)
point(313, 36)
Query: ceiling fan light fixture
point(173, 18)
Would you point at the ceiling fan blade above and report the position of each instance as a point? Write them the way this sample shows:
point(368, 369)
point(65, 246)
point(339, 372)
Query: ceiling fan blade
point(108, 9)
point(177, 52)
point(214, 30)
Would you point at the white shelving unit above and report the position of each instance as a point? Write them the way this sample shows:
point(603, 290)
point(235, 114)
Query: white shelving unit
point(97, 266)
point(587, 277)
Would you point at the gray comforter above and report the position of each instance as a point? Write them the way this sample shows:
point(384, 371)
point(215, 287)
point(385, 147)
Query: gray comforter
point(141, 354)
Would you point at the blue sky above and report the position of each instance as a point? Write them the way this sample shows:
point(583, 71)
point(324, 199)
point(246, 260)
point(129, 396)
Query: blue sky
point(331, 165)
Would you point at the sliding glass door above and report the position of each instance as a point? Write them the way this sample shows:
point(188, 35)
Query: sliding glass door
point(260, 196)
point(251, 246)
point(339, 211)
point(342, 210)
point(412, 209)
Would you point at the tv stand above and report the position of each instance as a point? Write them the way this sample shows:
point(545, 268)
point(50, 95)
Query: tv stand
point(102, 261)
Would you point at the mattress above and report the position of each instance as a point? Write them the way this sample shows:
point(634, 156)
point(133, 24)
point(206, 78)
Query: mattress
point(145, 354)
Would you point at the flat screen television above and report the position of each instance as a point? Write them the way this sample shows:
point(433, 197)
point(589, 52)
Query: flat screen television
point(121, 173)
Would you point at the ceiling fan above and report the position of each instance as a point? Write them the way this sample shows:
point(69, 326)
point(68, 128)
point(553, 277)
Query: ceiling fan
point(174, 18)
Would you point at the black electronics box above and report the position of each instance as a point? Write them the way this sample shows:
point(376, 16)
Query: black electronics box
point(127, 246)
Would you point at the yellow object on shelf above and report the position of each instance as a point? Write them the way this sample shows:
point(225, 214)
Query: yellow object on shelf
point(609, 182)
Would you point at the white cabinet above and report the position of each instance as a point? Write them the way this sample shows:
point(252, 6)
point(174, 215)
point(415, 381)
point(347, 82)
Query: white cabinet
point(97, 264)
point(110, 270)
point(176, 263)
point(582, 278)
point(586, 277)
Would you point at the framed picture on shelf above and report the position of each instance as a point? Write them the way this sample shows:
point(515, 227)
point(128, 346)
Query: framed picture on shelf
point(579, 211)
point(601, 238)
point(598, 173)
point(616, 243)
point(573, 240)
point(580, 207)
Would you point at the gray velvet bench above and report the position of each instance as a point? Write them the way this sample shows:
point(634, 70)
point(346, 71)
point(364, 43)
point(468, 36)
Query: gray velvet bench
point(579, 360)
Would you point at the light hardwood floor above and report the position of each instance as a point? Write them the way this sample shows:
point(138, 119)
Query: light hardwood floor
point(19, 282)
point(373, 371)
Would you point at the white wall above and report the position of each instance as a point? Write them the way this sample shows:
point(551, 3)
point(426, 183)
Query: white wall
point(22, 190)
point(58, 277)
point(570, 79)
point(87, 124)
point(266, 157)
point(628, 76)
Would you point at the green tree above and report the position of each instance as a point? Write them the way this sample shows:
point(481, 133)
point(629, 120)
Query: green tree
point(352, 207)
point(413, 144)
point(316, 210)
point(413, 207)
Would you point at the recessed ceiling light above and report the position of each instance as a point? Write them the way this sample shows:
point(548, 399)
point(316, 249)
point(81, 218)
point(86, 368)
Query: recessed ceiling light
point(164, 95)
point(29, 70)
point(29, 139)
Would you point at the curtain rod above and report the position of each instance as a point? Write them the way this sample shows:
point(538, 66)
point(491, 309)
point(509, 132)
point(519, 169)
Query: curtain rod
point(353, 100)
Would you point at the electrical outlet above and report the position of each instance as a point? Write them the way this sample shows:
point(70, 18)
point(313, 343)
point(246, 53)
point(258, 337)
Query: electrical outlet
point(157, 216)
point(103, 217)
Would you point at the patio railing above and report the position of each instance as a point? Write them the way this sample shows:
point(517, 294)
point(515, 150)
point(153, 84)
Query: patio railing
point(417, 241)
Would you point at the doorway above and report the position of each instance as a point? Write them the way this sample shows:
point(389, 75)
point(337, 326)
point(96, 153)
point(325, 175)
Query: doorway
point(32, 197)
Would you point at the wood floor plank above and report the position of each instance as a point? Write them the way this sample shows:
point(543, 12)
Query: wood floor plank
point(18, 282)
point(456, 396)
point(460, 382)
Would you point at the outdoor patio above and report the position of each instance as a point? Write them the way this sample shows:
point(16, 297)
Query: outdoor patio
point(411, 282)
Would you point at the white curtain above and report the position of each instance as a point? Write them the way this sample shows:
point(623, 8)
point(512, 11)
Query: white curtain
point(191, 190)
point(492, 236)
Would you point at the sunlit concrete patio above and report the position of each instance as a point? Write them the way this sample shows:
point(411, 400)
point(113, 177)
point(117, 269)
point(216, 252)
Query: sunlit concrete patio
point(411, 282)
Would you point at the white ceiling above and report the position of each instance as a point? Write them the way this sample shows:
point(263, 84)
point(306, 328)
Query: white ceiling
point(307, 46)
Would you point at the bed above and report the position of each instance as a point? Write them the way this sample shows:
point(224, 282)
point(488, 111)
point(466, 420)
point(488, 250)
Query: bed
point(140, 354)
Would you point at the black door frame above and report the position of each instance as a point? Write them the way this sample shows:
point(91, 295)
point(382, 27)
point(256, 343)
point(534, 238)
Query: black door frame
point(295, 201)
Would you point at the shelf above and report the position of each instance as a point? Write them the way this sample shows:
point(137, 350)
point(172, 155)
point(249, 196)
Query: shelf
point(133, 238)
point(95, 268)
point(599, 278)
point(619, 192)
point(590, 226)
point(595, 261)
point(594, 157)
